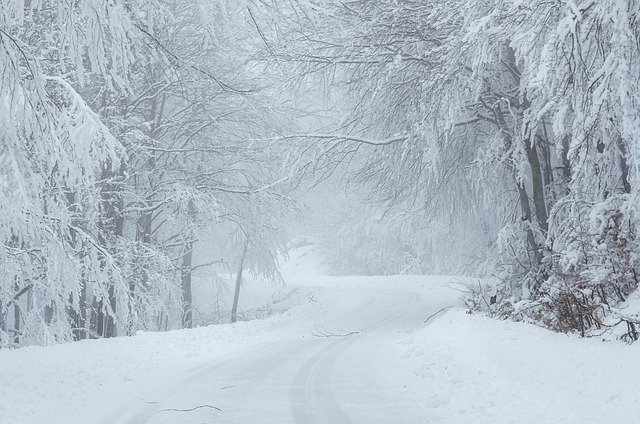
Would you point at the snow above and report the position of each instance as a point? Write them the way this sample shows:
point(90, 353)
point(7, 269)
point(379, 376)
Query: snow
point(52, 384)
point(347, 349)
point(304, 261)
point(486, 371)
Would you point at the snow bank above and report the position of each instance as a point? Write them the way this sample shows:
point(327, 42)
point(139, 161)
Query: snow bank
point(46, 384)
point(478, 370)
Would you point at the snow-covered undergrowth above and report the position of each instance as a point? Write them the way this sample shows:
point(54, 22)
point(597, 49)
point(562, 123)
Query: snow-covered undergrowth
point(480, 370)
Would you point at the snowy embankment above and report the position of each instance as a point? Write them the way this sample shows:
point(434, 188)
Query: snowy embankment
point(481, 370)
point(88, 379)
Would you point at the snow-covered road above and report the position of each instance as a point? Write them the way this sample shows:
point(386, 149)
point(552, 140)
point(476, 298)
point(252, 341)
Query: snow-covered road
point(345, 368)
point(349, 350)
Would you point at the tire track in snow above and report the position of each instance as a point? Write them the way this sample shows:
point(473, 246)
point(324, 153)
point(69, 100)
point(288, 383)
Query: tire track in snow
point(312, 400)
point(312, 397)
point(287, 380)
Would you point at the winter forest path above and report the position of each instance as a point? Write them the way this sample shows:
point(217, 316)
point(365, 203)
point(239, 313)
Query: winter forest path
point(344, 369)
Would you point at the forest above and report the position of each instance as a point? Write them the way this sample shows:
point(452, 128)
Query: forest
point(143, 143)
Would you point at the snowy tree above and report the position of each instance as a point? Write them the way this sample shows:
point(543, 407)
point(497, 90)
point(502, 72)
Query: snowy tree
point(524, 115)
point(54, 150)
point(126, 129)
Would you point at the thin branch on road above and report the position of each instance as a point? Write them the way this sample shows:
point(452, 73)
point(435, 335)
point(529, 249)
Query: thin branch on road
point(324, 333)
point(192, 409)
point(441, 310)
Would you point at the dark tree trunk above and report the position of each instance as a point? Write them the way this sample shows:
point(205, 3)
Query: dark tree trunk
point(566, 165)
point(3, 327)
point(537, 183)
point(511, 68)
point(236, 294)
point(187, 265)
point(16, 319)
point(48, 314)
point(187, 298)
point(547, 167)
point(110, 323)
point(112, 229)
point(140, 281)
point(96, 326)
point(3, 313)
point(79, 317)
point(624, 166)
point(526, 217)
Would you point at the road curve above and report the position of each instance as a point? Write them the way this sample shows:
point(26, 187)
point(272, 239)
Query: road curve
point(346, 370)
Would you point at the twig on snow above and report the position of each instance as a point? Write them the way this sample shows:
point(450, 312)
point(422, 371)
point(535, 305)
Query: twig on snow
point(446, 308)
point(191, 409)
point(324, 333)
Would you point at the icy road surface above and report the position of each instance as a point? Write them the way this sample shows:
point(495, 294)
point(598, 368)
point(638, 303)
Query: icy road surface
point(345, 368)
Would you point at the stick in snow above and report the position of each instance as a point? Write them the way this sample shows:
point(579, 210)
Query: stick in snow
point(441, 310)
point(192, 409)
point(324, 333)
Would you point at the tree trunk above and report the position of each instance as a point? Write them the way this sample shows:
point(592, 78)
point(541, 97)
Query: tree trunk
point(143, 236)
point(16, 319)
point(78, 317)
point(82, 319)
point(526, 217)
point(566, 165)
point(236, 294)
point(533, 160)
point(112, 229)
point(140, 281)
point(547, 166)
point(3, 328)
point(48, 314)
point(537, 183)
point(624, 166)
point(187, 265)
point(187, 296)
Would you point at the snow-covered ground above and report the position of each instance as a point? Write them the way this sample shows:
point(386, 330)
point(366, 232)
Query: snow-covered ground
point(347, 350)
point(84, 381)
point(484, 371)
